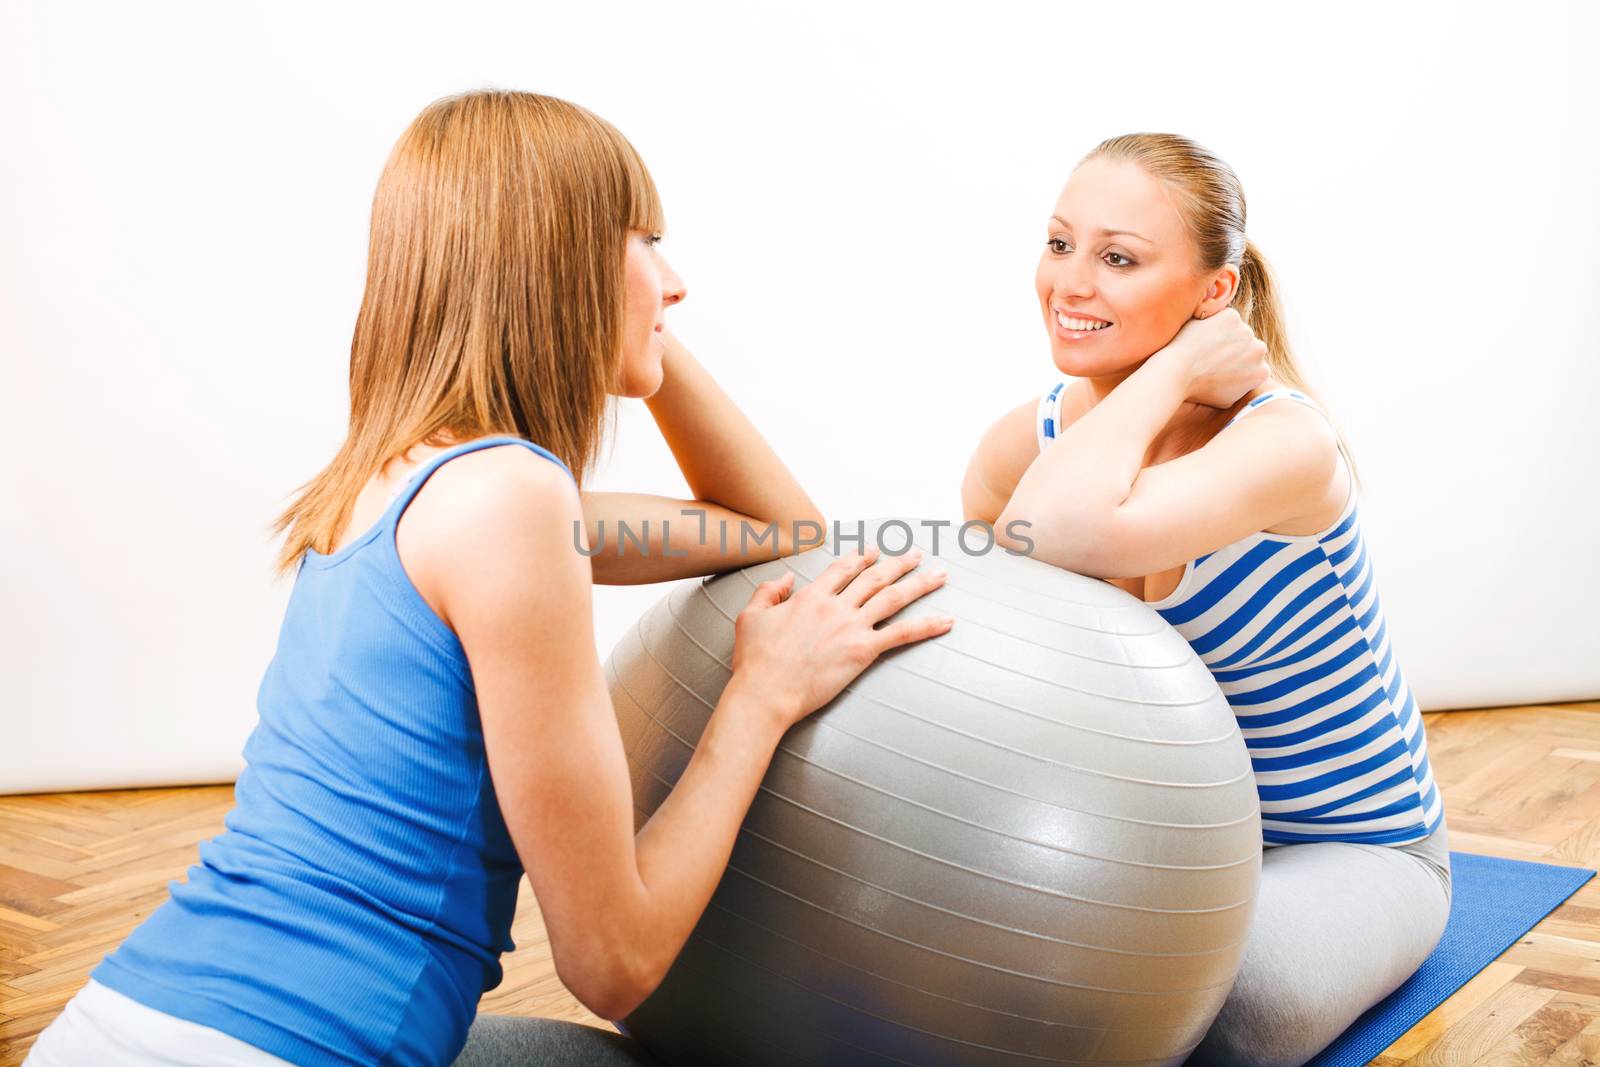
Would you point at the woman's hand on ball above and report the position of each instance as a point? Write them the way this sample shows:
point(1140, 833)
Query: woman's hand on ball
point(1221, 357)
point(797, 650)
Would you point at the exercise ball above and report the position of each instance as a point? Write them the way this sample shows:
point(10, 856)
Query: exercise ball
point(1034, 839)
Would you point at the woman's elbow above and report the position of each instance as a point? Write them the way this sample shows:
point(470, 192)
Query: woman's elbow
point(801, 531)
point(615, 1003)
point(611, 984)
point(978, 502)
point(1013, 534)
point(814, 517)
point(1018, 524)
point(1054, 540)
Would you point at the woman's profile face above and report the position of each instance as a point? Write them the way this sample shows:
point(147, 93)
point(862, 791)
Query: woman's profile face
point(1116, 251)
point(650, 285)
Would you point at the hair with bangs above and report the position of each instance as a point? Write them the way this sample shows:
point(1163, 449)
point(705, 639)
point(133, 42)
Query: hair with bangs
point(494, 293)
point(1210, 199)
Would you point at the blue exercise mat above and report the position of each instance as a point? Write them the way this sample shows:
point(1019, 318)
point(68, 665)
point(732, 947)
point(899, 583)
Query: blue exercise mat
point(1492, 903)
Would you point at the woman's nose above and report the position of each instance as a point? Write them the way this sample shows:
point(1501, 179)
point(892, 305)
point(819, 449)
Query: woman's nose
point(1072, 280)
point(672, 287)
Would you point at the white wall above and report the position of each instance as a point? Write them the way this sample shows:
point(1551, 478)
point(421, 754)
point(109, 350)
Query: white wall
point(856, 194)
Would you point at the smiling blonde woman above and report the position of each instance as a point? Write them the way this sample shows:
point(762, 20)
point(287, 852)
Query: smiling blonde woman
point(1180, 455)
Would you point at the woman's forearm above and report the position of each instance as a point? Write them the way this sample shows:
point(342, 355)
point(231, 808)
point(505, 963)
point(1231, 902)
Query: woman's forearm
point(638, 538)
point(722, 455)
point(1071, 491)
point(683, 850)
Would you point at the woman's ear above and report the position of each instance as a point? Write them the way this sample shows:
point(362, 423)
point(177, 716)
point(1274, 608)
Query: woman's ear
point(1219, 292)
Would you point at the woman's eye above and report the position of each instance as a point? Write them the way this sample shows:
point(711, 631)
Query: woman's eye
point(652, 238)
point(1059, 246)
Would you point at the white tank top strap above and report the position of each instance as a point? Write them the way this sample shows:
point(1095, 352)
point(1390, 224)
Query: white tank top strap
point(1295, 394)
point(1275, 394)
point(1048, 422)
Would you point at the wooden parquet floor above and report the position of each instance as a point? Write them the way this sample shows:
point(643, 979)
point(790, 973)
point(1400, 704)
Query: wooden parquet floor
point(79, 870)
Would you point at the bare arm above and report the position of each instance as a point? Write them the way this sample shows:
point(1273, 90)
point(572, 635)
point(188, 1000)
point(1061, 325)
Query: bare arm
point(1002, 457)
point(741, 488)
point(1091, 506)
point(638, 538)
point(494, 547)
point(1071, 492)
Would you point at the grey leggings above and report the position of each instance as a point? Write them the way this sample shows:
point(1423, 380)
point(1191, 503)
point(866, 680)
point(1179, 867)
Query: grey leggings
point(504, 1041)
point(1337, 927)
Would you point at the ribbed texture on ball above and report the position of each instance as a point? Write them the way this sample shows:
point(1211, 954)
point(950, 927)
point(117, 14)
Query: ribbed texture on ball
point(1033, 840)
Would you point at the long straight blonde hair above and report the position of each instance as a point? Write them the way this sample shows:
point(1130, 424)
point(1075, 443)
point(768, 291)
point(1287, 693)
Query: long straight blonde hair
point(1210, 199)
point(494, 295)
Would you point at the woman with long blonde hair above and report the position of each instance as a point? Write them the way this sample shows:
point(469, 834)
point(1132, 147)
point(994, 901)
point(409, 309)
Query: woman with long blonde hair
point(435, 719)
point(1180, 455)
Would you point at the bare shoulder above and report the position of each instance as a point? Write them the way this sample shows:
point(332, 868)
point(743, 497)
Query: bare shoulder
point(1070, 405)
point(488, 517)
point(1303, 435)
point(478, 496)
point(1075, 400)
point(1291, 419)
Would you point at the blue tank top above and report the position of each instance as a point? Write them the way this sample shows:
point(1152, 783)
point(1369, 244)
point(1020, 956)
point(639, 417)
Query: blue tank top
point(355, 907)
point(1293, 631)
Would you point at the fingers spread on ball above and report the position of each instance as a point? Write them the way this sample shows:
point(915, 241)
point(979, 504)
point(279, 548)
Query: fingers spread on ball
point(840, 572)
point(881, 574)
point(896, 596)
point(906, 631)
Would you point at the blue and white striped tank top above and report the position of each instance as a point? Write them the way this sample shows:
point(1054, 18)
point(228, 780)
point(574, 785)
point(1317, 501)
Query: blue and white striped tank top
point(1293, 631)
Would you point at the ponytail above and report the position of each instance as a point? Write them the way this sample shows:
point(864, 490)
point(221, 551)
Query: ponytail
point(1256, 301)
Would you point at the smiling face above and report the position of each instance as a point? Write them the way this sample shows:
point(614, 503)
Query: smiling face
point(1117, 252)
point(650, 285)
